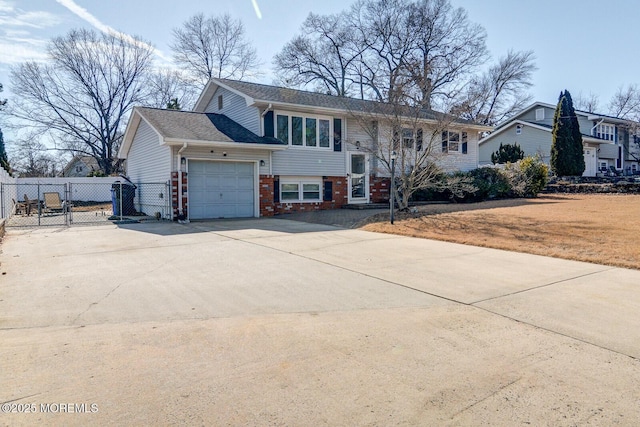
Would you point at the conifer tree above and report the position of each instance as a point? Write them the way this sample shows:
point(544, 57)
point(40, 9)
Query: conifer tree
point(567, 158)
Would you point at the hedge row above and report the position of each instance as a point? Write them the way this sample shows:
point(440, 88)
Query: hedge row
point(525, 178)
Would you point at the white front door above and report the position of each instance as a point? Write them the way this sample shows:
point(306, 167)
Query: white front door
point(358, 178)
point(590, 164)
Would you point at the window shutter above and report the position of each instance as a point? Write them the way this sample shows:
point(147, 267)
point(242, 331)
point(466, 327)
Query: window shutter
point(464, 148)
point(337, 134)
point(268, 124)
point(328, 191)
point(419, 139)
point(276, 191)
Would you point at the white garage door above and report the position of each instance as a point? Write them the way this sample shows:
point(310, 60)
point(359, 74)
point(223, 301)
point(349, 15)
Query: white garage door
point(220, 190)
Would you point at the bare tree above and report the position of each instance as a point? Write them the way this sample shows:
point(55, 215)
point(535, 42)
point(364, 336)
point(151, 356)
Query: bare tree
point(418, 141)
point(449, 48)
point(31, 158)
point(501, 91)
point(83, 95)
point(625, 103)
point(589, 103)
point(166, 85)
point(214, 47)
point(325, 55)
point(423, 51)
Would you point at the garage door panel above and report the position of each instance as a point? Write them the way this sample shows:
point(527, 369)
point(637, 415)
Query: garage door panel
point(221, 189)
point(245, 183)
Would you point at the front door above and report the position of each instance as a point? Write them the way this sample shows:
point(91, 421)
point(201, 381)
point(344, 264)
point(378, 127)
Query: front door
point(590, 164)
point(358, 178)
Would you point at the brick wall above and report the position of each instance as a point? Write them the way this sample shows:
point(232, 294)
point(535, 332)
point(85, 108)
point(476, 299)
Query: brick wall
point(379, 189)
point(269, 208)
point(174, 194)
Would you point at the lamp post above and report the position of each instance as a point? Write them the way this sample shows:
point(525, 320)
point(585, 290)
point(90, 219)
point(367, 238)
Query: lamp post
point(392, 187)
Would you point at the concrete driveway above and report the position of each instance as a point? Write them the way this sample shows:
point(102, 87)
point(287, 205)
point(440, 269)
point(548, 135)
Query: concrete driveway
point(278, 322)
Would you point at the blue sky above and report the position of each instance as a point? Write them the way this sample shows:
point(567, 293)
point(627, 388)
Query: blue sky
point(581, 45)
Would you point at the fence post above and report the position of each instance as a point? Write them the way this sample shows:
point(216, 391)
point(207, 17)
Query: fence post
point(2, 200)
point(121, 201)
point(38, 203)
point(66, 204)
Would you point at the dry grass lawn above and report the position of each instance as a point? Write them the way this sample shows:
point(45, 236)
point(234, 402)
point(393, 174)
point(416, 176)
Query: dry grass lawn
point(603, 229)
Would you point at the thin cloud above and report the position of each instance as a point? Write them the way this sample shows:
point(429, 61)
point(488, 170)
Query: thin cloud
point(10, 16)
point(96, 23)
point(256, 8)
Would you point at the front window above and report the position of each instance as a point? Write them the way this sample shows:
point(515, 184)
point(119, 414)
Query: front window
point(289, 191)
point(310, 191)
point(283, 128)
point(296, 130)
point(606, 132)
point(407, 138)
point(451, 141)
point(304, 190)
point(301, 131)
point(324, 132)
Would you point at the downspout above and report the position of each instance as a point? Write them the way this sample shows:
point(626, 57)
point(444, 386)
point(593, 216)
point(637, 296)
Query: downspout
point(181, 217)
point(264, 113)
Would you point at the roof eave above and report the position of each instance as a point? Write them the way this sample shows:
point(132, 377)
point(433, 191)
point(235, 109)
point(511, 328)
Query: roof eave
point(224, 144)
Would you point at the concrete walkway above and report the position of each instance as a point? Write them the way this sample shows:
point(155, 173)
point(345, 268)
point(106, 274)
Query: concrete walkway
point(344, 218)
point(280, 322)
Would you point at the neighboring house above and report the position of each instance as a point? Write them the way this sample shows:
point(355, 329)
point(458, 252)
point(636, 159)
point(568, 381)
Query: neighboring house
point(250, 150)
point(80, 166)
point(608, 142)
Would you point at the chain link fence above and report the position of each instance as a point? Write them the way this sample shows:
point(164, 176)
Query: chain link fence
point(75, 203)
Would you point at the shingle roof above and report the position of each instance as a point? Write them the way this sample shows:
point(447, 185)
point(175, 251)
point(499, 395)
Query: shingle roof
point(207, 127)
point(275, 94)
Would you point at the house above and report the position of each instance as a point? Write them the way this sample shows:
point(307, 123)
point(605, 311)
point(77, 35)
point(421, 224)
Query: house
point(80, 166)
point(249, 150)
point(609, 143)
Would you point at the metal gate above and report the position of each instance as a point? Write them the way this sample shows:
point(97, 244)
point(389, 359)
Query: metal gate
point(34, 205)
point(74, 203)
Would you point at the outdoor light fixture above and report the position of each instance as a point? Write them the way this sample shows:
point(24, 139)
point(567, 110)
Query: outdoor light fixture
point(224, 154)
point(358, 145)
point(262, 163)
point(183, 161)
point(392, 185)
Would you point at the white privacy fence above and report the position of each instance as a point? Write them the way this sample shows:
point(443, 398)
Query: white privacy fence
point(10, 195)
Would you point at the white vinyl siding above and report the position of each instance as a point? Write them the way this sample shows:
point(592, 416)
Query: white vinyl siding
point(235, 107)
point(309, 162)
point(204, 153)
point(451, 162)
point(148, 161)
